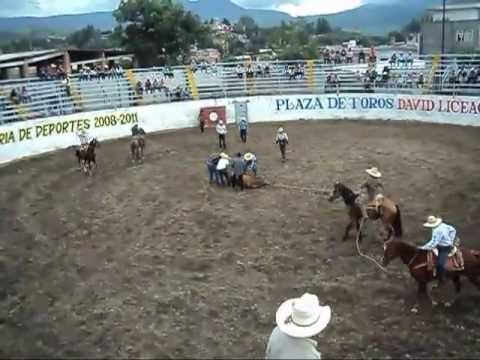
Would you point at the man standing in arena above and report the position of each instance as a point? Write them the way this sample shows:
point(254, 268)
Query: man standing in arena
point(243, 126)
point(282, 141)
point(222, 132)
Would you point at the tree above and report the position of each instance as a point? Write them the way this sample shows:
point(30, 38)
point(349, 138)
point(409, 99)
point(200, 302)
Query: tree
point(246, 25)
point(158, 31)
point(322, 26)
point(86, 38)
point(414, 26)
point(226, 22)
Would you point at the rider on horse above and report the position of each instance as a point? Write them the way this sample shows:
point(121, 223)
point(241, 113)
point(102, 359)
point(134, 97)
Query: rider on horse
point(443, 239)
point(84, 139)
point(138, 131)
point(370, 190)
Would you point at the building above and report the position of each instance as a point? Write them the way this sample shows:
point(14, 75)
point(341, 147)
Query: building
point(207, 55)
point(462, 28)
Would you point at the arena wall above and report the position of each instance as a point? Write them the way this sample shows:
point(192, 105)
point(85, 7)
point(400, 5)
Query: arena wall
point(34, 137)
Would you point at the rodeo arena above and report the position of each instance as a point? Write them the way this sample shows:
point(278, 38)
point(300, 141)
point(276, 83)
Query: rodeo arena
point(254, 209)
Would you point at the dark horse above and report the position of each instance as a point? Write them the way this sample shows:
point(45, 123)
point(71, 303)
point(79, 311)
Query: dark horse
point(86, 157)
point(420, 265)
point(354, 210)
point(388, 212)
point(137, 146)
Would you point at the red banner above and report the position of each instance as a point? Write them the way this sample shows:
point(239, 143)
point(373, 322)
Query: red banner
point(212, 115)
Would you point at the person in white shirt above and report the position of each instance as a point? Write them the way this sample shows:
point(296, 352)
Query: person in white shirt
point(222, 132)
point(443, 239)
point(298, 320)
point(282, 141)
point(222, 169)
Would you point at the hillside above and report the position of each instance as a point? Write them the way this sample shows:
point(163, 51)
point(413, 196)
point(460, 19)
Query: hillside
point(376, 18)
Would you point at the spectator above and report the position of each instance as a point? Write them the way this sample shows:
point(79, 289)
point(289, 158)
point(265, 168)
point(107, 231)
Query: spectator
point(298, 320)
point(410, 59)
point(239, 71)
point(401, 59)
point(24, 95)
point(343, 54)
point(393, 60)
point(350, 56)
point(14, 97)
point(222, 132)
point(148, 87)
point(361, 57)
point(139, 88)
point(372, 55)
point(326, 57)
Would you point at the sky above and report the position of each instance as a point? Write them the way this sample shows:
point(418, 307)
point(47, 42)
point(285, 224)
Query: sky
point(53, 7)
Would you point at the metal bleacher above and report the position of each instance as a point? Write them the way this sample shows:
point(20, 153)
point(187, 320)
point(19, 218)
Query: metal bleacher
point(449, 75)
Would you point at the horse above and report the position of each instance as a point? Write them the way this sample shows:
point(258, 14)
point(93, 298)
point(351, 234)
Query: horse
point(87, 156)
point(137, 146)
point(421, 264)
point(354, 210)
point(250, 181)
point(385, 209)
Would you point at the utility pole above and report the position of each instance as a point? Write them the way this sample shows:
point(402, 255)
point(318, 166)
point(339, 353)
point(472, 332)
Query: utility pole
point(444, 10)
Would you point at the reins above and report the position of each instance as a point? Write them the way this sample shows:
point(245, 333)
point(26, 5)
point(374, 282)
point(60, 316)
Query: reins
point(357, 241)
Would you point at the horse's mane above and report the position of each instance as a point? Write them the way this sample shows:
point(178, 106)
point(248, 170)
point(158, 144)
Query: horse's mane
point(347, 192)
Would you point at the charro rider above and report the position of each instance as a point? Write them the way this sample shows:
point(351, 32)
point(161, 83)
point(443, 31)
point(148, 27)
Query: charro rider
point(137, 131)
point(443, 239)
point(370, 190)
point(84, 139)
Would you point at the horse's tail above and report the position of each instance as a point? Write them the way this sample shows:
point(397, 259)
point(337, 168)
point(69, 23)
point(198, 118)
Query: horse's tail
point(397, 223)
point(77, 153)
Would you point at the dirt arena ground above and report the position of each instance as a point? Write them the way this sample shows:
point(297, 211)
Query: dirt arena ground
point(151, 261)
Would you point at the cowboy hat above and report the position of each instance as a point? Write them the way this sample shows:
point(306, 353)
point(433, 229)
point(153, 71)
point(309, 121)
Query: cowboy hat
point(224, 156)
point(220, 122)
point(373, 172)
point(248, 157)
point(433, 222)
point(280, 130)
point(303, 317)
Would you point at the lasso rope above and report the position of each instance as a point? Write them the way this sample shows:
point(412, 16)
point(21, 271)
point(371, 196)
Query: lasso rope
point(357, 241)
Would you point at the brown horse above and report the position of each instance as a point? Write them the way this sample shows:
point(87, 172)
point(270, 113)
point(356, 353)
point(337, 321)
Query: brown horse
point(250, 181)
point(86, 157)
point(137, 146)
point(385, 209)
point(354, 210)
point(420, 263)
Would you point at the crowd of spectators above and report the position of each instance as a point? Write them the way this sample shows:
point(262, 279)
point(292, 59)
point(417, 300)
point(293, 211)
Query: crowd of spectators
point(401, 60)
point(346, 55)
point(255, 69)
point(51, 72)
point(20, 95)
point(204, 67)
point(99, 72)
point(464, 76)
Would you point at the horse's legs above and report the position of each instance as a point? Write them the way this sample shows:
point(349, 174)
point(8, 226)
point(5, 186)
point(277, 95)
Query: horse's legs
point(458, 288)
point(347, 230)
point(422, 295)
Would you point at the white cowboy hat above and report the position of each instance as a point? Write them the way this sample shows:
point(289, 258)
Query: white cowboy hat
point(373, 172)
point(280, 130)
point(221, 122)
point(248, 157)
point(224, 156)
point(303, 317)
point(433, 222)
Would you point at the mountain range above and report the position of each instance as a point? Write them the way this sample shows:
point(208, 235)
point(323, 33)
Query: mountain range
point(373, 18)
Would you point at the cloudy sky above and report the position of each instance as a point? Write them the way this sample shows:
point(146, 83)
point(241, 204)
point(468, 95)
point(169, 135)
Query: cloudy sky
point(51, 7)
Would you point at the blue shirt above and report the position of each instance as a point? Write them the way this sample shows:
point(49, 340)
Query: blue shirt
point(243, 125)
point(442, 235)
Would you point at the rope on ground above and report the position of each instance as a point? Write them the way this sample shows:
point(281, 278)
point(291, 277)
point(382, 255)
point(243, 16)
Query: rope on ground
point(364, 255)
point(298, 188)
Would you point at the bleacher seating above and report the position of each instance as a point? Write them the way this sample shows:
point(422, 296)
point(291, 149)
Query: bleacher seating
point(453, 75)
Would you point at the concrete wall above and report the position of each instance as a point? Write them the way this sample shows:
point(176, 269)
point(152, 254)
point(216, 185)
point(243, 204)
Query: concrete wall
point(432, 37)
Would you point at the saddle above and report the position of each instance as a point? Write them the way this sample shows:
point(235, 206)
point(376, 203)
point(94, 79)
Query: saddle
point(374, 208)
point(454, 263)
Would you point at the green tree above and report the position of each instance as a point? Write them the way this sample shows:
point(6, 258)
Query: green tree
point(322, 26)
point(158, 31)
point(86, 38)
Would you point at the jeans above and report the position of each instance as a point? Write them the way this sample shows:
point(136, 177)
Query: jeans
point(283, 150)
point(223, 175)
point(221, 141)
point(442, 258)
point(213, 174)
point(243, 135)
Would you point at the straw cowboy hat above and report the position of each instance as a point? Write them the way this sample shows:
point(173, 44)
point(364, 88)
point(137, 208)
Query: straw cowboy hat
point(433, 222)
point(303, 317)
point(224, 156)
point(373, 172)
point(248, 157)
point(280, 130)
